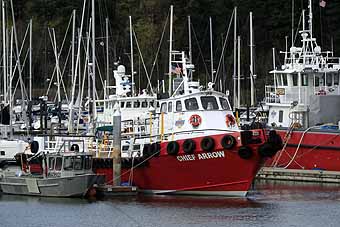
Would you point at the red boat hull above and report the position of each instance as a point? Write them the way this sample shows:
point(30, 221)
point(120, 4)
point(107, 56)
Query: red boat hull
point(316, 150)
point(217, 172)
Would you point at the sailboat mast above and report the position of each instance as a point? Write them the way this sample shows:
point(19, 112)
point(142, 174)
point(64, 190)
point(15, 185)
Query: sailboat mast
point(72, 46)
point(238, 72)
point(190, 46)
point(131, 57)
point(170, 50)
point(30, 64)
point(93, 60)
point(252, 93)
point(211, 52)
point(235, 57)
point(107, 53)
point(4, 49)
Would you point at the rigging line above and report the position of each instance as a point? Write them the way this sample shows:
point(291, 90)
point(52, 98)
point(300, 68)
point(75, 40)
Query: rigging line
point(17, 84)
point(63, 72)
point(20, 52)
point(224, 46)
point(200, 50)
point(140, 53)
point(297, 29)
point(159, 46)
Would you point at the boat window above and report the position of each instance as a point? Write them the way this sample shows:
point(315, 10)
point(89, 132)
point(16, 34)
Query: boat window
point(136, 104)
point(157, 104)
point(295, 79)
point(336, 79)
point(152, 103)
point(128, 105)
point(51, 161)
point(125, 148)
point(316, 81)
point(329, 80)
point(87, 162)
point(122, 104)
point(136, 147)
point(2, 153)
point(191, 104)
point(281, 116)
point(209, 103)
point(58, 163)
point(284, 80)
point(178, 106)
point(144, 104)
point(78, 163)
point(170, 107)
point(304, 80)
point(224, 104)
point(68, 163)
point(163, 107)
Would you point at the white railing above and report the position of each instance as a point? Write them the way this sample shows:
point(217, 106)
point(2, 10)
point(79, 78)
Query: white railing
point(287, 95)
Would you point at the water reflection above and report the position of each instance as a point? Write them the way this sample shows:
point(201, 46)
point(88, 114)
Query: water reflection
point(271, 203)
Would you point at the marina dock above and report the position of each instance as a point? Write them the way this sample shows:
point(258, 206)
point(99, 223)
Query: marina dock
point(110, 190)
point(320, 176)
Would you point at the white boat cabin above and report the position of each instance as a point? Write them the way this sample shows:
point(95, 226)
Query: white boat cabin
point(306, 88)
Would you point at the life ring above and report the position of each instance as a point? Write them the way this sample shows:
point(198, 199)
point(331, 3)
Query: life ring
point(207, 143)
point(172, 148)
point(189, 146)
point(245, 152)
point(230, 120)
point(228, 141)
point(195, 120)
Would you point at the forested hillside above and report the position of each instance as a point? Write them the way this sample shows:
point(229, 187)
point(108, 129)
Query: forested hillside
point(272, 22)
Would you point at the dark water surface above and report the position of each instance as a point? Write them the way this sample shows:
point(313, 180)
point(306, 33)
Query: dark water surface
point(270, 204)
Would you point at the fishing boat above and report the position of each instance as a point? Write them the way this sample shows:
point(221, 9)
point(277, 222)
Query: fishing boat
point(66, 173)
point(189, 143)
point(303, 105)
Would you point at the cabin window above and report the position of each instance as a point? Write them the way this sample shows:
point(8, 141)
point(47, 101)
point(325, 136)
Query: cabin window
point(51, 162)
point(78, 163)
point(191, 104)
point(224, 104)
point(178, 106)
point(329, 81)
point(128, 105)
point(2, 153)
point(295, 79)
point(136, 147)
point(68, 163)
point(209, 103)
point(144, 104)
point(284, 80)
point(304, 80)
point(152, 103)
point(170, 107)
point(125, 148)
point(336, 79)
point(316, 81)
point(122, 104)
point(281, 116)
point(136, 104)
point(87, 162)
point(58, 163)
point(163, 107)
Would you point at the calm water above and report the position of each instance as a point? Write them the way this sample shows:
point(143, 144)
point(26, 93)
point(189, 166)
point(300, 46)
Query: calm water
point(271, 204)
